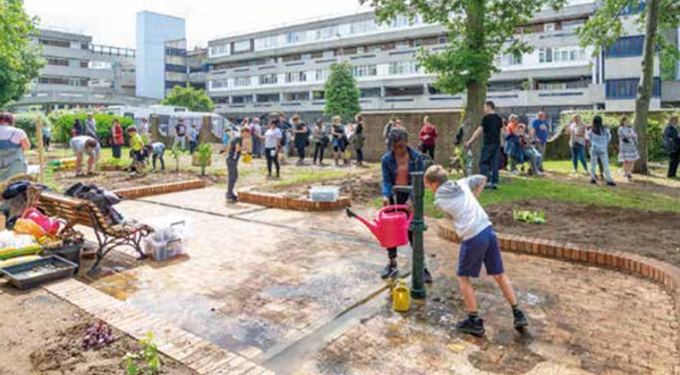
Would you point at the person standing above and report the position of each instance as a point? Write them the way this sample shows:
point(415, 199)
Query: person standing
point(77, 129)
point(85, 144)
point(359, 140)
point(428, 138)
point(180, 135)
point(628, 152)
point(599, 137)
point(13, 144)
point(91, 127)
point(234, 154)
point(397, 164)
point(47, 135)
point(387, 129)
point(539, 132)
point(144, 129)
point(117, 140)
point(492, 126)
point(193, 139)
point(285, 127)
point(577, 143)
point(256, 134)
point(301, 138)
point(272, 144)
point(321, 141)
point(339, 140)
point(671, 140)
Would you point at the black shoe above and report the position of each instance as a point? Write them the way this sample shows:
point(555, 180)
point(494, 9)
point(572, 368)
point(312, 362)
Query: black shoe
point(520, 319)
point(611, 183)
point(593, 181)
point(472, 326)
point(427, 276)
point(390, 271)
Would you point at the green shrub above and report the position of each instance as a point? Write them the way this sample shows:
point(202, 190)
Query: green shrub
point(62, 123)
point(655, 127)
point(28, 122)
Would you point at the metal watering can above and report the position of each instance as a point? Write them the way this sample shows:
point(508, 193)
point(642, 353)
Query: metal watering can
point(401, 297)
point(391, 225)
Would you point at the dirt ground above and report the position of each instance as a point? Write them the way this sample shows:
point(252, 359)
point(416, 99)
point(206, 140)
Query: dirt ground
point(119, 180)
point(42, 335)
point(360, 188)
point(651, 234)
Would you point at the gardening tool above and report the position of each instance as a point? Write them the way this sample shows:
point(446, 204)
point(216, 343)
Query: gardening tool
point(391, 225)
point(401, 296)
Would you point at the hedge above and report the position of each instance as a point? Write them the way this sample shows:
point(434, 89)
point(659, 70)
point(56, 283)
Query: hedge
point(62, 123)
point(28, 122)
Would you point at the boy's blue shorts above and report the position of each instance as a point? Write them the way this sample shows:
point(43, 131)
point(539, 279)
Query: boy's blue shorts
point(482, 248)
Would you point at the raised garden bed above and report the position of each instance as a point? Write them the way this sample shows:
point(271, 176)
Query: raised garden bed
point(146, 191)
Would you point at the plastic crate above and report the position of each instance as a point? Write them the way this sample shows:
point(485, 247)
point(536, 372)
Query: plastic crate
point(164, 250)
point(324, 193)
point(20, 277)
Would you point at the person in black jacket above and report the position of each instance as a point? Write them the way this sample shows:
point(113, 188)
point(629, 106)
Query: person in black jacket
point(671, 137)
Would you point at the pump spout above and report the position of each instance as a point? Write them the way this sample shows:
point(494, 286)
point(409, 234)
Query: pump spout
point(374, 228)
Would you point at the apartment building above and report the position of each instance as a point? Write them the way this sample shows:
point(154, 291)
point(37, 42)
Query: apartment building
point(284, 68)
point(80, 74)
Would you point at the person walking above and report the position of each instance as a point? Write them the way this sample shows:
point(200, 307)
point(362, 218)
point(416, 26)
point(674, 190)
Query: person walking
point(671, 140)
point(300, 139)
point(47, 135)
point(386, 131)
point(359, 140)
point(193, 139)
point(256, 134)
point(491, 127)
point(599, 137)
point(91, 127)
point(233, 156)
point(321, 141)
point(180, 135)
point(13, 144)
point(577, 143)
point(339, 140)
point(117, 139)
point(272, 145)
point(428, 138)
point(539, 132)
point(628, 152)
point(144, 128)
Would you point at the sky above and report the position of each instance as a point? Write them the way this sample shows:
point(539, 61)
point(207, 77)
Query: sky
point(112, 22)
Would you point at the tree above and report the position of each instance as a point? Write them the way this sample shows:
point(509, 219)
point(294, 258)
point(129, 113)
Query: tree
point(20, 60)
point(477, 31)
point(195, 100)
point(606, 26)
point(341, 93)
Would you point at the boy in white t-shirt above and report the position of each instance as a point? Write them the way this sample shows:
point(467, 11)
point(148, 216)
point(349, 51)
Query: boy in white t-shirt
point(458, 200)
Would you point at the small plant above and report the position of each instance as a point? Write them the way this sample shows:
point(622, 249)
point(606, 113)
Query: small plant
point(204, 156)
point(536, 217)
point(113, 162)
point(176, 153)
point(144, 362)
point(98, 336)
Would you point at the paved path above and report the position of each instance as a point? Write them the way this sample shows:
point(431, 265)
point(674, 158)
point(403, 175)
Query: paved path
point(262, 280)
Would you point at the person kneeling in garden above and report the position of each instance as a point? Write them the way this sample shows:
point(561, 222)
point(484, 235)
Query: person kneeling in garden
point(85, 144)
point(157, 151)
point(137, 149)
point(458, 200)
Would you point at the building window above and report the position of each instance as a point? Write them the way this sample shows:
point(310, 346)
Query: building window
point(55, 43)
point(572, 25)
point(364, 71)
point(57, 61)
point(292, 38)
point(322, 74)
point(361, 50)
point(404, 68)
point(627, 88)
point(220, 49)
point(510, 59)
point(242, 46)
point(306, 56)
point(242, 81)
point(219, 84)
point(549, 27)
point(372, 92)
point(268, 79)
point(442, 40)
point(296, 77)
point(400, 21)
point(562, 54)
point(417, 42)
point(175, 68)
point(545, 55)
point(242, 99)
point(402, 45)
point(627, 46)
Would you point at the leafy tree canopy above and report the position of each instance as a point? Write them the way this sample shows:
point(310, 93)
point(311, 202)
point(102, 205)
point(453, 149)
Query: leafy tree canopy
point(341, 93)
point(191, 98)
point(20, 60)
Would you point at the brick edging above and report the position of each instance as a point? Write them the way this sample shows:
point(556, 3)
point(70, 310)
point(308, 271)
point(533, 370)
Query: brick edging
point(651, 269)
point(285, 203)
point(147, 191)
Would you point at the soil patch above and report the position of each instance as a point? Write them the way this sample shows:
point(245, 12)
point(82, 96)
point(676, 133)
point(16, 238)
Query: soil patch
point(359, 188)
point(119, 180)
point(43, 335)
point(651, 234)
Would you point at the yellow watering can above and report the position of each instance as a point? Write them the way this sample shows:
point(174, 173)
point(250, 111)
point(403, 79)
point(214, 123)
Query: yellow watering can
point(247, 158)
point(401, 296)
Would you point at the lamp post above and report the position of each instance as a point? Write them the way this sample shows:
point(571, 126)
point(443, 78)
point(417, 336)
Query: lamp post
point(418, 227)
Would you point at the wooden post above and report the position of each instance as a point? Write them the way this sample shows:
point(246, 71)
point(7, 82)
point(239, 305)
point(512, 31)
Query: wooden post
point(41, 156)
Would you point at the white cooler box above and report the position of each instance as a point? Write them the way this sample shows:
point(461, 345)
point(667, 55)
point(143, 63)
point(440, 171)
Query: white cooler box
point(324, 193)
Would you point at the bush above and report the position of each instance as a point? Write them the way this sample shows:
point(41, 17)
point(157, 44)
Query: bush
point(62, 123)
point(655, 127)
point(28, 123)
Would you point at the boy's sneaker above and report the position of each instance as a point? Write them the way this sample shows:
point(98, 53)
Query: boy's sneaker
point(472, 326)
point(611, 183)
point(593, 181)
point(390, 271)
point(520, 319)
point(427, 276)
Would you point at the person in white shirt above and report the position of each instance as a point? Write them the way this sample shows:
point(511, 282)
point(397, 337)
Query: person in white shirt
point(13, 143)
point(458, 200)
point(272, 145)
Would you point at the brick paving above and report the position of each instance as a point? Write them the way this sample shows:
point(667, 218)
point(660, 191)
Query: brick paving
point(253, 289)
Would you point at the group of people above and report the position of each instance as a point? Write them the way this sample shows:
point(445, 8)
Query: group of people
point(428, 135)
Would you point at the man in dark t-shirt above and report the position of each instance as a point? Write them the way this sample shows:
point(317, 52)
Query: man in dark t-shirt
point(492, 126)
point(233, 155)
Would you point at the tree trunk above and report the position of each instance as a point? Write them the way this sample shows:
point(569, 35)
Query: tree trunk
point(476, 89)
point(645, 88)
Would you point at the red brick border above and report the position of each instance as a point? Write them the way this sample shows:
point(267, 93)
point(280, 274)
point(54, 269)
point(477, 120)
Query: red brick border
point(147, 191)
point(652, 269)
point(278, 201)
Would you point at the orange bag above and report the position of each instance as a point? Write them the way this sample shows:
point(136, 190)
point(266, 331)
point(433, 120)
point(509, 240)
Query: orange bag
point(30, 227)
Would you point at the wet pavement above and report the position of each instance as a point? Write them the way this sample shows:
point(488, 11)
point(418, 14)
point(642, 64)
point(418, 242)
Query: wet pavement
point(299, 293)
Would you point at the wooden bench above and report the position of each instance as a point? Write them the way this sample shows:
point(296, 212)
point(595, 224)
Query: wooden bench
point(82, 212)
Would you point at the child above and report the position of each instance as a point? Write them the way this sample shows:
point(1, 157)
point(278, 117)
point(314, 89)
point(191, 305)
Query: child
point(157, 151)
point(458, 200)
point(137, 149)
point(528, 151)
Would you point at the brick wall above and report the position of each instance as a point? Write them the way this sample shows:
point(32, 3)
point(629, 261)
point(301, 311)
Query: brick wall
point(447, 124)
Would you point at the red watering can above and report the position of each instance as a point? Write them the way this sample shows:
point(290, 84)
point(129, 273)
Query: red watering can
point(391, 225)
